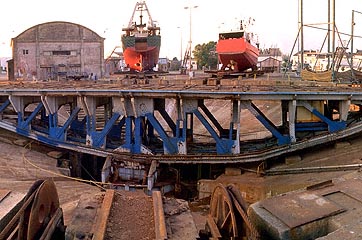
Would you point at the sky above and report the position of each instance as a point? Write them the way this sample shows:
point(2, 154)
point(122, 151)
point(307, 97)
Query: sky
point(276, 22)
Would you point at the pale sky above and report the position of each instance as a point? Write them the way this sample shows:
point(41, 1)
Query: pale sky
point(276, 22)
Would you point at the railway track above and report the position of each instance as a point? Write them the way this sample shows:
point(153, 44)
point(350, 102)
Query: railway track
point(115, 216)
point(39, 216)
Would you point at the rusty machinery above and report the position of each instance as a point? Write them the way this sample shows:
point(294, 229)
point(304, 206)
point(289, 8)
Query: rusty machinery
point(39, 216)
point(228, 218)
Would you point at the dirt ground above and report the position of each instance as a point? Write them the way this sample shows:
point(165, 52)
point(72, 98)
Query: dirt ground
point(131, 217)
point(18, 173)
point(132, 212)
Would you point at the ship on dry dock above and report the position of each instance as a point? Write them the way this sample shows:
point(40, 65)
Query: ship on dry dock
point(141, 41)
point(237, 50)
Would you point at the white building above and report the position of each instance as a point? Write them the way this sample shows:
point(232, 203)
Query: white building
point(4, 64)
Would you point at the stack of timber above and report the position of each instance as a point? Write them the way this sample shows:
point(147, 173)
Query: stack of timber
point(325, 76)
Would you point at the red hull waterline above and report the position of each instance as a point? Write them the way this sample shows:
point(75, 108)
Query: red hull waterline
point(141, 60)
point(237, 54)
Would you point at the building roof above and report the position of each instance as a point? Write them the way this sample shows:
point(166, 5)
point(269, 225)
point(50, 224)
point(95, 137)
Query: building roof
point(268, 58)
point(57, 31)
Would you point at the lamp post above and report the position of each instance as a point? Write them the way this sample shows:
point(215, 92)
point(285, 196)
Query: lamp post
point(180, 46)
point(352, 35)
point(190, 41)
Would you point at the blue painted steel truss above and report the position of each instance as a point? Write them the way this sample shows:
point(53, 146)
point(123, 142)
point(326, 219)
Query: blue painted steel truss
point(139, 132)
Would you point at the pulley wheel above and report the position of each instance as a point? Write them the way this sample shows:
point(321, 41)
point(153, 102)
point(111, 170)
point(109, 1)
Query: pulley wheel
point(222, 211)
point(44, 206)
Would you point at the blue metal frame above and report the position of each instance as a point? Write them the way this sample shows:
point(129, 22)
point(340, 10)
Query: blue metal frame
point(223, 146)
point(333, 126)
point(59, 133)
point(4, 105)
point(116, 130)
point(135, 127)
point(25, 124)
point(168, 120)
point(268, 124)
point(99, 138)
point(170, 144)
point(129, 131)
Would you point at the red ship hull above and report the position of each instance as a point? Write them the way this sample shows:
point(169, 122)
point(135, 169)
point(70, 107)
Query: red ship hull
point(237, 54)
point(141, 60)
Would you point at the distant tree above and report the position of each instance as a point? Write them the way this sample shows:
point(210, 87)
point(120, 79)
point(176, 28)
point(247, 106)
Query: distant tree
point(286, 64)
point(205, 55)
point(175, 64)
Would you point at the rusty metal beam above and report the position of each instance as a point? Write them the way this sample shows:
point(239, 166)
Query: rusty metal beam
point(159, 215)
point(102, 218)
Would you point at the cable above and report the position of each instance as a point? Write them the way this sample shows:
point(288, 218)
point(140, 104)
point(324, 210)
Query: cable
point(25, 159)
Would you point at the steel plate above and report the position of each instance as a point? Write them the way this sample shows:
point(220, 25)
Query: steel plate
point(298, 209)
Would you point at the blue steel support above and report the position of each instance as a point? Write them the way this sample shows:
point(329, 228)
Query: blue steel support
point(333, 126)
point(129, 132)
point(231, 130)
point(99, 138)
point(53, 122)
point(267, 123)
point(117, 129)
point(211, 117)
point(138, 135)
point(169, 146)
point(78, 126)
point(179, 134)
point(59, 132)
point(223, 146)
point(26, 124)
point(168, 120)
point(4, 105)
point(90, 123)
point(150, 130)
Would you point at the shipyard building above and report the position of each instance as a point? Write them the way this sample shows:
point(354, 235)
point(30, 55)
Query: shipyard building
point(57, 50)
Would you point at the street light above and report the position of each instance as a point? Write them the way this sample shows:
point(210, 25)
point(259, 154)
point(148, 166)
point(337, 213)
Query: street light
point(190, 41)
point(180, 45)
point(352, 35)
